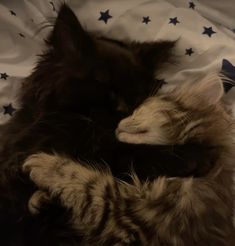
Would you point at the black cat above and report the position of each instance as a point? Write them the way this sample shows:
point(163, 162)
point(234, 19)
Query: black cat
point(71, 104)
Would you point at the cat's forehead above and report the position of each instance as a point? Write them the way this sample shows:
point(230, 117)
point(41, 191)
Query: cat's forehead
point(114, 51)
point(156, 104)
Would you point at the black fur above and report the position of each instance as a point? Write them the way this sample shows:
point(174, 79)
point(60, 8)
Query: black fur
point(69, 105)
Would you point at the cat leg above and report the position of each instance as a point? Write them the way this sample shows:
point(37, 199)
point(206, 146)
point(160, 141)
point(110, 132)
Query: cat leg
point(89, 193)
point(69, 181)
point(56, 174)
point(169, 210)
point(47, 171)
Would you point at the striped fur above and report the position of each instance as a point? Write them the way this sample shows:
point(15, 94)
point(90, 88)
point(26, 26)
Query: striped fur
point(166, 211)
point(187, 114)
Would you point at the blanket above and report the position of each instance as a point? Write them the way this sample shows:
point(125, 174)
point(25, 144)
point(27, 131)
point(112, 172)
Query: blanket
point(205, 31)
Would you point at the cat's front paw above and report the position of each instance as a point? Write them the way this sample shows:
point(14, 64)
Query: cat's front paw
point(37, 201)
point(42, 169)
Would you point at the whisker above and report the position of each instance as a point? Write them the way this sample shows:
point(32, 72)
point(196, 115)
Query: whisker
point(226, 79)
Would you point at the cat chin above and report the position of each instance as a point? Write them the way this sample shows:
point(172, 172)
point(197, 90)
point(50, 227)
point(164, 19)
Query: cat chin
point(141, 137)
point(130, 138)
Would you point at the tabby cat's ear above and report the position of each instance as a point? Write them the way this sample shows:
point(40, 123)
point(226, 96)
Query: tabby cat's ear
point(209, 88)
point(154, 54)
point(68, 37)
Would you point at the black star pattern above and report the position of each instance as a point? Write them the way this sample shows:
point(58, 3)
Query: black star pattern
point(192, 5)
point(4, 76)
point(189, 51)
point(208, 31)
point(12, 12)
point(22, 35)
point(173, 21)
point(146, 19)
point(52, 4)
point(105, 16)
point(9, 109)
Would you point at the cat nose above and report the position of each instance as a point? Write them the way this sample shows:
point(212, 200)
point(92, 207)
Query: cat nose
point(129, 125)
point(125, 126)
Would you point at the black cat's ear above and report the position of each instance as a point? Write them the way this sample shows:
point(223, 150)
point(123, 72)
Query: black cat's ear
point(154, 54)
point(68, 36)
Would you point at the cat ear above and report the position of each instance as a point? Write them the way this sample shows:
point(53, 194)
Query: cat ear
point(209, 88)
point(153, 54)
point(68, 36)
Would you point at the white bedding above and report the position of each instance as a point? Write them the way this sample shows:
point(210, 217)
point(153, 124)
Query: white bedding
point(206, 44)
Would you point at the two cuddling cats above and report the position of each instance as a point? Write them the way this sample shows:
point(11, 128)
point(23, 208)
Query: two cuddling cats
point(81, 89)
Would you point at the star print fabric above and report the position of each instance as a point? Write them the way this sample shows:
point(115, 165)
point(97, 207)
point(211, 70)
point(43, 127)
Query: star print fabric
point(205, 31)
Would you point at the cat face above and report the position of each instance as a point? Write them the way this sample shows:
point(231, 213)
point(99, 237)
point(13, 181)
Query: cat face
point(82, 72)
point(189, 113)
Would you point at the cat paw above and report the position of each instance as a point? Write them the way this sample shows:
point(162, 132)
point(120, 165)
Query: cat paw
point(42, 169)
point(38, 201)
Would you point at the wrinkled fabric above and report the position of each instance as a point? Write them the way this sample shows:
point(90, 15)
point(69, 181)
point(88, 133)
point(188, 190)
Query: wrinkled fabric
point(23, 29)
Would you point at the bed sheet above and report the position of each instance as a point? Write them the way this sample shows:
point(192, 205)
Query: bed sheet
point(205, 31)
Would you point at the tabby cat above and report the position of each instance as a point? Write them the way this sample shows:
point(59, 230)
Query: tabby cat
point(166, 211)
